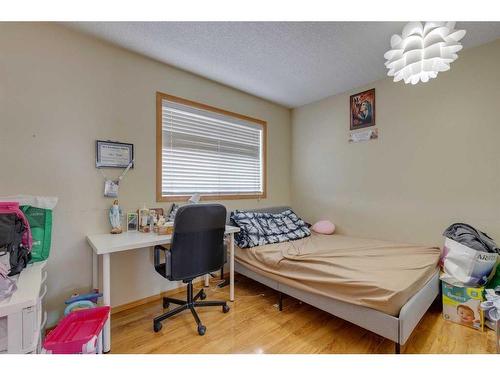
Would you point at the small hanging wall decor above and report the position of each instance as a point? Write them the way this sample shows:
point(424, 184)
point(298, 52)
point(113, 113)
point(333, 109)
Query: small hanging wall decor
point(362, 115)
point(363, 135)
point(362, 109)
point(111, 186)
point(113, 155)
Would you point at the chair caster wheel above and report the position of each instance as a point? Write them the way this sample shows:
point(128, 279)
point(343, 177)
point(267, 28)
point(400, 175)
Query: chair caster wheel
point(201, 330)
point(203, 296)
point(157, 327)
point(166, 304)
point(225, 309)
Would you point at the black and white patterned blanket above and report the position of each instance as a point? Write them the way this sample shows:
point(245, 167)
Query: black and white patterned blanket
point(258, 228)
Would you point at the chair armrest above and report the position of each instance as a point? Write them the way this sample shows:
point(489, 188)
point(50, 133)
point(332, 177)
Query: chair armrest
point(164, 268)
point(157, 250)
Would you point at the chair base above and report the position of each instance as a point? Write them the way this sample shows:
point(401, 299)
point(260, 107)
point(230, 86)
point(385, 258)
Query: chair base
point(190, 303)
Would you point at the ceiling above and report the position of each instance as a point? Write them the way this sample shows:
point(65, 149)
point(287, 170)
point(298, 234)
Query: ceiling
point(289, 63)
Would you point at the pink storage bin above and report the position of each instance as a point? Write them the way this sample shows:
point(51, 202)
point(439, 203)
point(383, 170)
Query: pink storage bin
point(78, 332)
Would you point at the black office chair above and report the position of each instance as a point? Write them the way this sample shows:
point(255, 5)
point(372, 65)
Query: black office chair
point(197, 248)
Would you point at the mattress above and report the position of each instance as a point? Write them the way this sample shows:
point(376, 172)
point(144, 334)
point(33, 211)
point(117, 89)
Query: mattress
point(376, 274)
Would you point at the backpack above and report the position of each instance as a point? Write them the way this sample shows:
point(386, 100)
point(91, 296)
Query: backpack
point(15, 236)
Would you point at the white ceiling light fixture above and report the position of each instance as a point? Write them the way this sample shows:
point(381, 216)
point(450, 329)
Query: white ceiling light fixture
point(422, 51)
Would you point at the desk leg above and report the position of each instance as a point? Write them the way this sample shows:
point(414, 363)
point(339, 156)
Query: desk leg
point(106, 291)
point(95, 270)
point(231, 267)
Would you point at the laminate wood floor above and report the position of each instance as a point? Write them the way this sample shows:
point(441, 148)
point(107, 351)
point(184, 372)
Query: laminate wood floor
point(254, 325)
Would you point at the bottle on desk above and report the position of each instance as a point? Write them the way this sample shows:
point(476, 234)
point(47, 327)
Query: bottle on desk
point(143, 214)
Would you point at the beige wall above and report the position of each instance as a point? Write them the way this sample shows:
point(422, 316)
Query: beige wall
point(437, 160)
point(59, 92)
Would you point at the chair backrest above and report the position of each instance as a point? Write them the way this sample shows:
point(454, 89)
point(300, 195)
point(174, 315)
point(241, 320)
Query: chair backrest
point(198, 241)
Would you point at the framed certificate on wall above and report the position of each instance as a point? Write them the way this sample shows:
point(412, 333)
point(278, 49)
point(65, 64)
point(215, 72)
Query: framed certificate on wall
point(111, 154)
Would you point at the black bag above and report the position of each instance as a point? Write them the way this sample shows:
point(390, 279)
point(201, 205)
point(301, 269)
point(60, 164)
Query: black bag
point(12, 229)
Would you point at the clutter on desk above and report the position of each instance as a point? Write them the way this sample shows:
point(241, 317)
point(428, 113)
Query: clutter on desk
point(145, 220)
point(153, 220)
point(165, 227)
point(115, 214)
point(161, 221)
point(156, 212)
point(132, 222)
point(143, 214)
point(161, 225)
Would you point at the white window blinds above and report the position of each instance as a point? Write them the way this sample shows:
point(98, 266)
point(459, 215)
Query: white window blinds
point(209, 153)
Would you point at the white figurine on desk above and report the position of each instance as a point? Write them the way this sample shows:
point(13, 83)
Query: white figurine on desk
point(115, 213)
point(161, 221)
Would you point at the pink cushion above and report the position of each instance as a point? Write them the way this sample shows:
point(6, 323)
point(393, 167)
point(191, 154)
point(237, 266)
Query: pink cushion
point(324, 227)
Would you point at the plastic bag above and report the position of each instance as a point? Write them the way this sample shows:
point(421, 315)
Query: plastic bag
point(40, 220)
point(466, 265)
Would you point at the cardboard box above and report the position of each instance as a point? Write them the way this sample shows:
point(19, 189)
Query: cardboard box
point(168, 228)
point(461, 305)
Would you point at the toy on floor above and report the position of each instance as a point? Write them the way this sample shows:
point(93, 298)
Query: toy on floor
point(82, 301)
point(80, 332)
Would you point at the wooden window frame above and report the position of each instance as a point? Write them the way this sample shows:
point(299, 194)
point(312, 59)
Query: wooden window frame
point(160, 96)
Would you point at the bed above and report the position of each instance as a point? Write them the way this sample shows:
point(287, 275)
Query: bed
point(381, 286)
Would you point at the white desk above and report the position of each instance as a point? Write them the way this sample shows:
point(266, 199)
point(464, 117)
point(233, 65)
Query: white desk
point(105, 244)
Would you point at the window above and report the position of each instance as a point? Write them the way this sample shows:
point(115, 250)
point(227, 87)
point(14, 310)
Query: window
point(210, 151)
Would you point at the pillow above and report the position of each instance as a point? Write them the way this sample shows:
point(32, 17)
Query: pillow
point(259, 228)
point(323, 227)
point(173, 210)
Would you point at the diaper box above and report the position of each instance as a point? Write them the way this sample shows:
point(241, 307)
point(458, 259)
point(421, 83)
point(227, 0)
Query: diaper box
point(461, 305)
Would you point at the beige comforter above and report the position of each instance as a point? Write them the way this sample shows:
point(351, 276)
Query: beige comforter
point(376, 274)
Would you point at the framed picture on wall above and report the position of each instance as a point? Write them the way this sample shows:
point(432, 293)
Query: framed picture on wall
point(362, 109)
